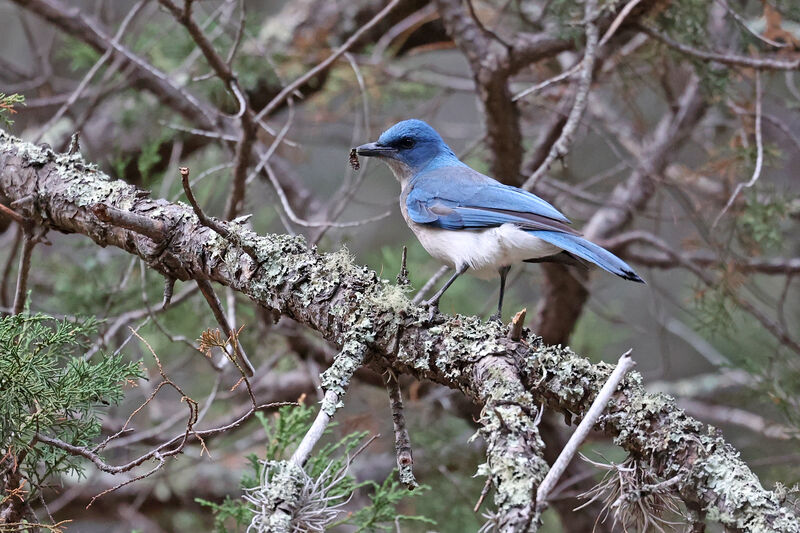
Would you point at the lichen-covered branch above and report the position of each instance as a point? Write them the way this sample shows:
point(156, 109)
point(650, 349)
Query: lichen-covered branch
point(402, 441)
point(330, 294)
point(335, 381)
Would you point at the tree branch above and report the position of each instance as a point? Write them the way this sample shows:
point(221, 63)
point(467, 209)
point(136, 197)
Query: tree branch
point(340, 300)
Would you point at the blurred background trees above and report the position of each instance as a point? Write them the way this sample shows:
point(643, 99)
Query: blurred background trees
point(667, 131)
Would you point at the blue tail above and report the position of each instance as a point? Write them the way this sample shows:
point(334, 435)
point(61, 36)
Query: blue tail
point(589, 251)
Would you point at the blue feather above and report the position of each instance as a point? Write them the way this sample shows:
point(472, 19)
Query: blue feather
point(589, 251)
point(458, 187)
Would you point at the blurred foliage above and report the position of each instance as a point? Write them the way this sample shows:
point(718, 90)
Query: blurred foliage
point(47, 387)
point(77, 54)
point(714, 307)
point(685, 20)
point(760, 225)
point(7, 103)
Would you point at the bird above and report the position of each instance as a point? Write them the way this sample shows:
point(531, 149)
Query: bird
point(472, 222)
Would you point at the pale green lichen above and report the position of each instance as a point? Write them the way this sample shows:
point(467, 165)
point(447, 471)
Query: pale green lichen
point(387, 296)
point(275, 500)
point(337, 378)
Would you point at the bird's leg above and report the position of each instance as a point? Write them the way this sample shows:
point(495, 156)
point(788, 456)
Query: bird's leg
point(498, 316)
point(433, 303)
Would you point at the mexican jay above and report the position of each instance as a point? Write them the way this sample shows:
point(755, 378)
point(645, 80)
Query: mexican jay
point(470, 221)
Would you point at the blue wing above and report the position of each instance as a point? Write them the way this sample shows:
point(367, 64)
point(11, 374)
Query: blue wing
point(461, 198)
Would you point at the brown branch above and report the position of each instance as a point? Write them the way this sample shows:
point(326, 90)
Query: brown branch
point(402, 442)
point(142, 74)
point(144, 225)
point(21, 294)
point(219, 228)
point(296, 84)
point(561, 145)
point(759, 63)
point(241, 360)
point(490, 64)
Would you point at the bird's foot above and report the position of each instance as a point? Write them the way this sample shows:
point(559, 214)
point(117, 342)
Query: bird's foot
point(497, 317)
point(433, 309)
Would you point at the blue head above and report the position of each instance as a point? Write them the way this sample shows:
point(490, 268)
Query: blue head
point(409, 147)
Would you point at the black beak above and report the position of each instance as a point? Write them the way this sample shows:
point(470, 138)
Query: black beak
point(376, 150)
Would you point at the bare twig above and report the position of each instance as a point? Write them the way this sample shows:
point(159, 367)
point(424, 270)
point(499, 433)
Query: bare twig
point(312, 224)
point(296, 84)
point(761, 63)
point(561, 146)
point(4, 283)
point(517, 323)
point(242, 157)
point(484, 492)
point(759, 155)
point(209, 222)
point(402, 276)
point(149, 227)
point(430, 284)
point(402, 442)
point(743, 23)
point(624, 364)
point(315, 432)
point(28, 242)
point(623, 13)
point(216, 308)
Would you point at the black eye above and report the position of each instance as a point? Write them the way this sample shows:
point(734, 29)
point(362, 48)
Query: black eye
point(406, 142)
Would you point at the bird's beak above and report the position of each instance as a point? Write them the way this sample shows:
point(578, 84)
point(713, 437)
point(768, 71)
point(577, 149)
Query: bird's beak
point(376, 150)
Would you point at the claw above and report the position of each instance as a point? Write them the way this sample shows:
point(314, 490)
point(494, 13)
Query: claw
point(433, 309)
point(496, 318)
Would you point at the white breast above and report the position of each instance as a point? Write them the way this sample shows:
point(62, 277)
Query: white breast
point(483, 251)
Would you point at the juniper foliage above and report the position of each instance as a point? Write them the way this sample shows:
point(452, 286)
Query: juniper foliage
point(47, 387)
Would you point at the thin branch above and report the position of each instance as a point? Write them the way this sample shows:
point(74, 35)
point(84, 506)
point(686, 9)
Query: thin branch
point(425, 289)
point(13, 215)
point(153, 229)
point(561, 147)
point(335, 381)
point(9, 265)
point(759, 155)
point(242, 157)
point(21, 294)
point(240, 357)
point(296, 84)
point(315, 432)
point(751, 31)
point(308, 223)
point(402, 442)
point(209, 222)
point(760, 63)
point(624, 364)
